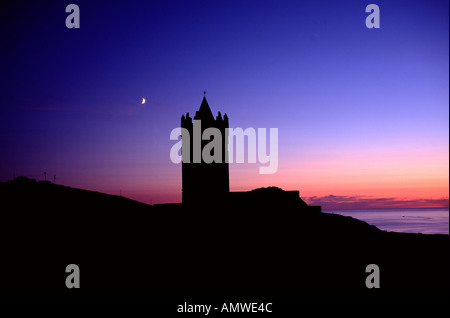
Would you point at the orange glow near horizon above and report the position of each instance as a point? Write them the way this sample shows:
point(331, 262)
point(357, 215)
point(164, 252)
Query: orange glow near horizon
point(375, 179)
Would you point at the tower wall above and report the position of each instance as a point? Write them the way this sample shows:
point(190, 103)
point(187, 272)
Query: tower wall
point(204, 182)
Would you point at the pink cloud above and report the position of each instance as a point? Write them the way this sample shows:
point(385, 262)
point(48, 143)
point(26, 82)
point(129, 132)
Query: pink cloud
point(368, 202)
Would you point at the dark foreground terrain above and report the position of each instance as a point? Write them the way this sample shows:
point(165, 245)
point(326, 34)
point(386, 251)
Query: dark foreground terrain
point(255, 249)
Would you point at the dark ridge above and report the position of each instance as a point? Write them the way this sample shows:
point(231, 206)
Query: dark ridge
point(240, 247)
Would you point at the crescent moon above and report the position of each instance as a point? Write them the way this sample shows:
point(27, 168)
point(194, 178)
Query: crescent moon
point(143, 101)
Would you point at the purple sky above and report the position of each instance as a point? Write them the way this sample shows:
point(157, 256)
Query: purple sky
point(360, 112)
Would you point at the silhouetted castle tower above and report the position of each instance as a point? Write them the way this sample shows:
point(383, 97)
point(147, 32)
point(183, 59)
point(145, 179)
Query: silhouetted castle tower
point(204, 182)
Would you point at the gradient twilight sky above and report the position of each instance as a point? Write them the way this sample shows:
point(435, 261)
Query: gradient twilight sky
point(362, 114)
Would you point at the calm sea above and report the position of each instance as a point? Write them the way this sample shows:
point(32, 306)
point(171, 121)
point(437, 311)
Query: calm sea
point(426, 221)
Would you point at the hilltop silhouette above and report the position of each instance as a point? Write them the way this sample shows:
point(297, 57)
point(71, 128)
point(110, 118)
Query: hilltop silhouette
point(262, 243)
point(276, 249)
